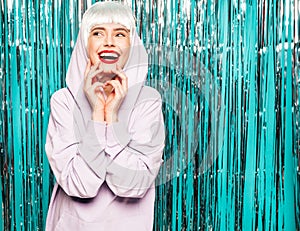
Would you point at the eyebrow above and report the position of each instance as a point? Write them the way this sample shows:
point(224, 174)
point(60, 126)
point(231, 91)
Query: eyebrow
point(115, 29)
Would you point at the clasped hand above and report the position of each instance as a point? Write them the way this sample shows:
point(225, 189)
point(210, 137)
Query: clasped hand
point(105, 98)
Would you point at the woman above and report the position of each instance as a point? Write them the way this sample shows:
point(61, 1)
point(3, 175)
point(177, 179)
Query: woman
point(106, 134)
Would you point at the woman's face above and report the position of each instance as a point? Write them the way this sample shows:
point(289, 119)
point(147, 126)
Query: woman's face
point(109, 43)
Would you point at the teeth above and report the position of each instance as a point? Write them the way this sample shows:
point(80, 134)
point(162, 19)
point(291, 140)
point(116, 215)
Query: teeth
point(109, 56)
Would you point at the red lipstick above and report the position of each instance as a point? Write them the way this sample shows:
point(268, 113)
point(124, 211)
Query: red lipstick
point(109, 56)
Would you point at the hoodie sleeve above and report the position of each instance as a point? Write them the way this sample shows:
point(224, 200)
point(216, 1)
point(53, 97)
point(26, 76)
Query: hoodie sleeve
point(136, 153)
point(78, 162)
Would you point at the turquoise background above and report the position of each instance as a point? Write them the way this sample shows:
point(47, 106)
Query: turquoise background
point(228, 73)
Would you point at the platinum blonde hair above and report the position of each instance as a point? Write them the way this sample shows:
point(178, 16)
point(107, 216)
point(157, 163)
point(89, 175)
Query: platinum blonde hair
point(107, 12)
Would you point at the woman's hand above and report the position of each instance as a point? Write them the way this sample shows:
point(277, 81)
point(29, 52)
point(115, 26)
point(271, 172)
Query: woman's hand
point(116, 91)
point(92, 90)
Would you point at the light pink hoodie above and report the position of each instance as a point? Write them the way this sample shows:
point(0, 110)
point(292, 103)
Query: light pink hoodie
point(105, 173)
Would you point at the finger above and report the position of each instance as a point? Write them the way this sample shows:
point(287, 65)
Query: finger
point(119, 91)
point(99, 65)
point(91, 75)
point(118, 68)
point(114, 83)
point(92, 89)
point(97, 85)
point(98, 74)
point(119, 73)
point(123, 77)
point(97, 90)
point(100, 96)
point(88, 67)
point(88, 74)
point(96, 66)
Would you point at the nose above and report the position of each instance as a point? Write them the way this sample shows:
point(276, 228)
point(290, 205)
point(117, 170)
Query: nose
point(109, 41)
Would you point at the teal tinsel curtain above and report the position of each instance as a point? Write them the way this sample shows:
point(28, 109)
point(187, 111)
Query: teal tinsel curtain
point(228, 73)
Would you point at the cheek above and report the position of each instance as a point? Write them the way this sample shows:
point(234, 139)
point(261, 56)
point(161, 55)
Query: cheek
point(92, 46)
point(126, 49)
point(125, 44)
point(92, 54)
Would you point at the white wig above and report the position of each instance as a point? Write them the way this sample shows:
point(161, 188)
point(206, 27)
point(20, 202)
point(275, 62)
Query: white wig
point(107, 12)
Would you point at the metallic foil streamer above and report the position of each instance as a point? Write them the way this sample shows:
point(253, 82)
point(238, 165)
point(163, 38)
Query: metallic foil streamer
point(228, 73)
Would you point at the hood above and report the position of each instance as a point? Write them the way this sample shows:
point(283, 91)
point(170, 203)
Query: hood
point(135, 69)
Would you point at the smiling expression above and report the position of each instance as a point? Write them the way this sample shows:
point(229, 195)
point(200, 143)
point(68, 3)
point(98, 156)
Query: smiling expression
point(109, 43)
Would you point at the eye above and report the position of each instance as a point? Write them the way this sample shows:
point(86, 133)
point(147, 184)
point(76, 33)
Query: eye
point(120, 34)
point(97, 33)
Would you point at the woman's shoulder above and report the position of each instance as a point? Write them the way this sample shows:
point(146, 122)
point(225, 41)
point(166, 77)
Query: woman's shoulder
point(61, 96)
point(63, 92)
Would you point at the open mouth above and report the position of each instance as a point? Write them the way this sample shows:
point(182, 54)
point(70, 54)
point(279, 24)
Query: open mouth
point(109, 57)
